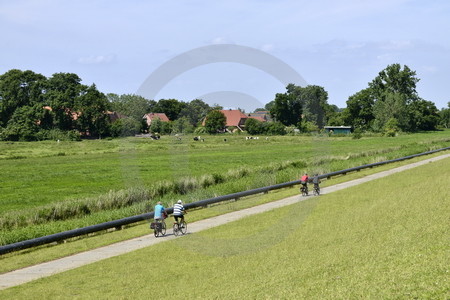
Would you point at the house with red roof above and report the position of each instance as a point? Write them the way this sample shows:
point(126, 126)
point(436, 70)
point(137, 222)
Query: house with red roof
point(234, 118)
point(152, 116)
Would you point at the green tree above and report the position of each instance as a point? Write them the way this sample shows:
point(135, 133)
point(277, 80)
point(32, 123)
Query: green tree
point(314, 102)
point(19, 88)
point(195, 111)
point(391, 127)
point(275, 128)
point(215, 121)
point(269, 105)
point(359, 110)
point(287, 109)
point(125, 127)
point(182, 125)
point(23, 125)
point(91, 109)
point(156, 126)
point(423, 115)
point(133, 106)
point(395, 80)
point(63, 90)
point(392, 107)
point(444, 115)
point(253, 126)
point(171, 107)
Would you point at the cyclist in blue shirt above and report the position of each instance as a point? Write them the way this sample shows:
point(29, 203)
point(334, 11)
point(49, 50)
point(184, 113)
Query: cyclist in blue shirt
point(159, 210)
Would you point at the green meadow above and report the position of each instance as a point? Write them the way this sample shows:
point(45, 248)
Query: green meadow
point(49, 187)
point(385, 239)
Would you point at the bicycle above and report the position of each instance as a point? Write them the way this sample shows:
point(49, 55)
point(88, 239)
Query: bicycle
point(316, 190)
point(179, 228)
point(159, 227)
point(304, 190)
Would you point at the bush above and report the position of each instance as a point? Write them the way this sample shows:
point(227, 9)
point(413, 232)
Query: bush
point(276, 128)
point(125, 127)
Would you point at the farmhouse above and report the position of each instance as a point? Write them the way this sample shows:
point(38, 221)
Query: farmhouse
point(236, 118)
point(152, 116)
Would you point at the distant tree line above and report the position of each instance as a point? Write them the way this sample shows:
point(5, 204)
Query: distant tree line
point(34, 107)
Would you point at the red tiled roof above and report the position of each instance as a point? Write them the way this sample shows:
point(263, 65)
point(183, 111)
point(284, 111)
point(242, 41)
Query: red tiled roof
point(161, 116)
point(234, 117)
point(261, 119)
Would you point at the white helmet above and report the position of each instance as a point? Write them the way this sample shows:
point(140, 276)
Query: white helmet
point(179, 201)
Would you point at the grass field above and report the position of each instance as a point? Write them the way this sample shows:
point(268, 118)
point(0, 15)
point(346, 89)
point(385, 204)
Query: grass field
point(34, 174)
point(386, 239)
point(49, 187)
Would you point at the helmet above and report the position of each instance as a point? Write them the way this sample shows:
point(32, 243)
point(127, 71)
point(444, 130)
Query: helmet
point(179, 201)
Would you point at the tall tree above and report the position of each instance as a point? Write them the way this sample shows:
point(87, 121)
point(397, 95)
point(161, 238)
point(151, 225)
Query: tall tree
point(392, 107)
point(395, 80)
point(215, 121)
point(91, 109)
point(314, 101)
point(19, 88)
point(359, 110)
point(171, 107)
point(133, 106)
point(195, 111)
point(63, 89)
point(287, 109)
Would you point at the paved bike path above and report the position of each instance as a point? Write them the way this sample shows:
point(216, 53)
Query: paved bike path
point(27, 274)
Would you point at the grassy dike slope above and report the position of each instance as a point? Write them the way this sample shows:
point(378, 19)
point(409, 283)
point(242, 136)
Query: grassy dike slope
point(381, 240)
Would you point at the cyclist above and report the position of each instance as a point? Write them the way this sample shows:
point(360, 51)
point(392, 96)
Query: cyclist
point(159, 212)
point(304, 182)
point(316, 181)
point(178, 211)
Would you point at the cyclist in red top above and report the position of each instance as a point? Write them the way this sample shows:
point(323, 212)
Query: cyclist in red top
point(304, 182)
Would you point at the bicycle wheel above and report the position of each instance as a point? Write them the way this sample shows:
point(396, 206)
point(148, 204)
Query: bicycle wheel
point(156, 231)
point(176, 230)
point(183, 227)
point(163, 228)
point(304, 191)
point(316, 191)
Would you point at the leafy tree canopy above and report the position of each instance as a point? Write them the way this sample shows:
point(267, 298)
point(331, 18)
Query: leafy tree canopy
point(215, 121)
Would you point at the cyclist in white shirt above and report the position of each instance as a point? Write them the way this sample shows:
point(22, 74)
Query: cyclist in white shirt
point(178, 211)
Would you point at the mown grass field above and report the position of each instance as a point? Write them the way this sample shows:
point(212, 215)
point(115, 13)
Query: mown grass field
point(34, 174)
point(386, 239)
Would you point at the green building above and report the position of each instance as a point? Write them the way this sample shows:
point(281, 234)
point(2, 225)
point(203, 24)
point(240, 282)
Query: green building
point(338, 129)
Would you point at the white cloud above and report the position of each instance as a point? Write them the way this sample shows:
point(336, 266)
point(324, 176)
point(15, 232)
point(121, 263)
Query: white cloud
point(97, 59)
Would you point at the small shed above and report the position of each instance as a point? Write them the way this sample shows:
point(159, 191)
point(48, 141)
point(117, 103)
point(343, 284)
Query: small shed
point(338, 129)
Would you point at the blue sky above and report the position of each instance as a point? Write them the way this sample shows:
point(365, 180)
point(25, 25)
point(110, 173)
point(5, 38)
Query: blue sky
point(340, 45)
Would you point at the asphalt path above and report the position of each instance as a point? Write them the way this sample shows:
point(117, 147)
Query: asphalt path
point(28, 274)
